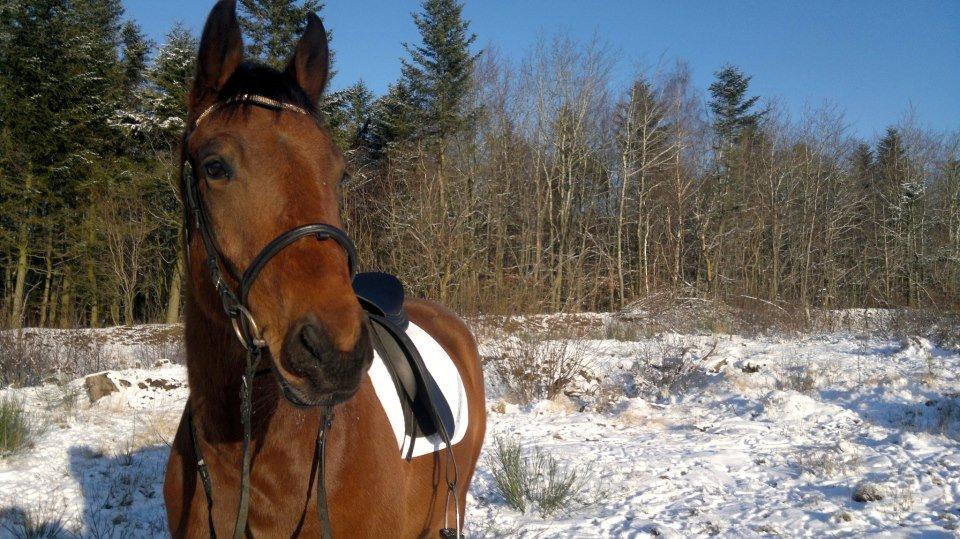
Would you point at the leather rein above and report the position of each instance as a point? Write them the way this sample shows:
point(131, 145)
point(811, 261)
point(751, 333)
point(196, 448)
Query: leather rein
point(236, 307)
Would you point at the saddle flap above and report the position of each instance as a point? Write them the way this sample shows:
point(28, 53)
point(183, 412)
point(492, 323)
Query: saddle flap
point(430, 408)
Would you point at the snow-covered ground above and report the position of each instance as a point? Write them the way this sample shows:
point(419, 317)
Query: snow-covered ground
point(756, 436)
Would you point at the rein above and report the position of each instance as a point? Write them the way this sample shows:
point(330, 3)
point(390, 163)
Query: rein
point(244, 325)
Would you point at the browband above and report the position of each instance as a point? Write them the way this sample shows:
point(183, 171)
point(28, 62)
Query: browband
point(249, 98)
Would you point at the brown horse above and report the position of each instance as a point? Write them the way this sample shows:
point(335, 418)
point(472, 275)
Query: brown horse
point(261, 170)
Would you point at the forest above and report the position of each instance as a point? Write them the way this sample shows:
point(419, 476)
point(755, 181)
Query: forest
point(491, 185)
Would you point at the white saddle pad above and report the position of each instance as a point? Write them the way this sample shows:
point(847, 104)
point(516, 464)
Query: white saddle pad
point(444, 371)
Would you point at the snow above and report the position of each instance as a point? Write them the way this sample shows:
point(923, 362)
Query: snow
point(769, 436)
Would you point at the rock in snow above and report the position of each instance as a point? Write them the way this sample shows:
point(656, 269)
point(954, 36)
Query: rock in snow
point(98, 386)
point(867, 492)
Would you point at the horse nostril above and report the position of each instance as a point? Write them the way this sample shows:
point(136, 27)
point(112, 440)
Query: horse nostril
point(314, 340)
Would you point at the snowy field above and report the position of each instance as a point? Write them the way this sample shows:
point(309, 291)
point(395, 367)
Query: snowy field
point(672, 435)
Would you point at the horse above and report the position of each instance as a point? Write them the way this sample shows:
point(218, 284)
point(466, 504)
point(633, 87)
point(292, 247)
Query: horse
point(313, 453)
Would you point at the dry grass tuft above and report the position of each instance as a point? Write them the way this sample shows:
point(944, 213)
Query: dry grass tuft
point(17, 432)
point(534, 481)
point(828, 461)
point(800, 378)
point(36, 523)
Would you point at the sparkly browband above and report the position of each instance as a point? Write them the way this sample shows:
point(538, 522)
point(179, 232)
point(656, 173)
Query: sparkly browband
point(249, 98)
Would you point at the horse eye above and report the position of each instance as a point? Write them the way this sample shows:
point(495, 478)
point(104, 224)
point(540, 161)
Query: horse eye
point(215, 170)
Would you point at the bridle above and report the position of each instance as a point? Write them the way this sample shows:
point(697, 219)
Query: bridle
point(236, 306)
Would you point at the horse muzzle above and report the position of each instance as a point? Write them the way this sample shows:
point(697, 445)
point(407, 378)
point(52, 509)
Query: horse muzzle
point(312, 371)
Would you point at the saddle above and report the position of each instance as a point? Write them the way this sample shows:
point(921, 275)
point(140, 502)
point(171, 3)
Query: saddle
point(425, 409)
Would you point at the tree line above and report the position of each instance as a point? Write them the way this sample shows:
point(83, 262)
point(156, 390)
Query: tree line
point(490, 185)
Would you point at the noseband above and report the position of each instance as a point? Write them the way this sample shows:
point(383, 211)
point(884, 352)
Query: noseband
point(236, 306)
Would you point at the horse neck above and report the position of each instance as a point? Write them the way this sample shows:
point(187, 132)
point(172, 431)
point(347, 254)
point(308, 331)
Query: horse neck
point(216, 361)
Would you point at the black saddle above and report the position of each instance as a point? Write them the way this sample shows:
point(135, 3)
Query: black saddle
point(425, 409)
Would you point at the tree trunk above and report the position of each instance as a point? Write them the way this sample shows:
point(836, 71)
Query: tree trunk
point(54, 305)
point(19, 287)
point(66, 300)
point(7, 287)
point(173, 297)
point(128, 301)
point(16, 315)
point(92, 282)
point(48, 255)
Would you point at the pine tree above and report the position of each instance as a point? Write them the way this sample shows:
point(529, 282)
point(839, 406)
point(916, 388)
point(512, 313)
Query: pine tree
point(895, 170)
point(136, 49)
point(132, 88)
point(349, 113)
point(732, 109)
point(394, 118)
point(170, 79)
point(891, 154)
point(439, 72)
point(890, 150)
point(272, 27)
point(863, 168)
point(61, 82)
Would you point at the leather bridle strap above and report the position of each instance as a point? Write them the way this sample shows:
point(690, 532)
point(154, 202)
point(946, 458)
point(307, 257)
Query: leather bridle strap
point(326, 530)
point(321, 231)
point(234, 305)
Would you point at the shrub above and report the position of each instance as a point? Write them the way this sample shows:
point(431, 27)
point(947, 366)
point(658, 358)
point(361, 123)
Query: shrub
point(800, 379)
point(940, 326)
point(627, 330)
point(26, 360)
point(759, 316)
point(510, 473)
point(686, 311)
point(867, 492)
point(151, 354)
point(535, 481)
point(533, 367)
point(677, 311)
point(16, 432)
point(666, 368)
point(20, 361)
point(828, 461)
point(940, 416)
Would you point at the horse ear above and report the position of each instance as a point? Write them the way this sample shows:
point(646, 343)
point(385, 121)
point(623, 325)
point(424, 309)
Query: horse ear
point(221, 51)
point(310, 65)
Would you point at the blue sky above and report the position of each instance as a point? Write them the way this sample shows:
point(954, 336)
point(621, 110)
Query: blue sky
point(875, 60)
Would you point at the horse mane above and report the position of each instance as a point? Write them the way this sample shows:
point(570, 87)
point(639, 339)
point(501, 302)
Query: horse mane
point(254, 78)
